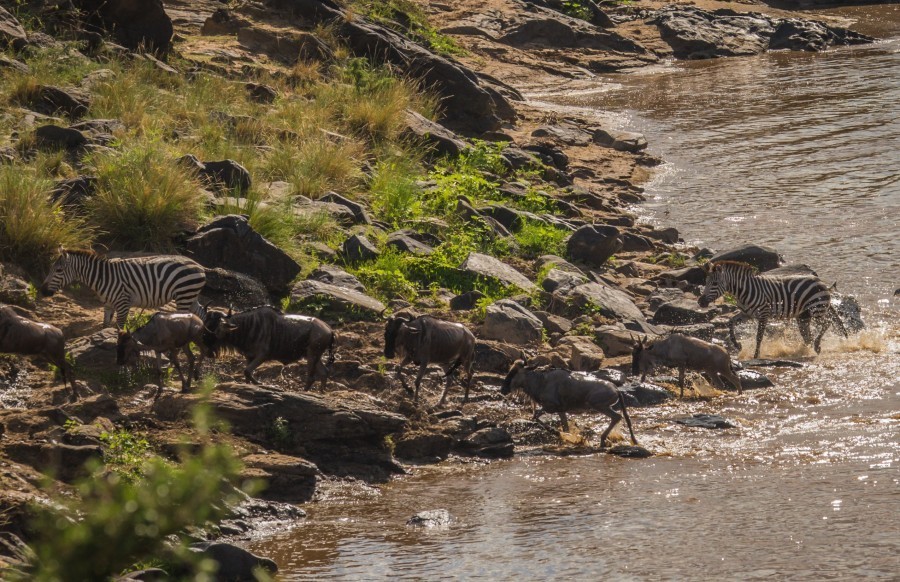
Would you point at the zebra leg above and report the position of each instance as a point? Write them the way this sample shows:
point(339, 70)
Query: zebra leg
point(824, 321)
point(803, 321)
point(760, 331)
point(121, 315)
point(107, 316)
point(731, 325)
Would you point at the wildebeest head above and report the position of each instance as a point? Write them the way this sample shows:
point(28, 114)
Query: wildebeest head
point(637, 357)
point(127, 349)
point(216, 327)
point(392, 330)
point(507, 386)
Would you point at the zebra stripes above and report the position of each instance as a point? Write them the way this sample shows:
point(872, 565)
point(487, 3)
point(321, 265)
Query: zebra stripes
point(802, 297)
point(125, 283)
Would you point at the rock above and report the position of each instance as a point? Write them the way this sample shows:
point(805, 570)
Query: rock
point(434, 135)
point(64, 462)
point(488, 266)
point(696, 34)
point(763, 258)
point(360, 216)
point(594, 244)
point(630, 452)
point(334, 275)
point(808, 35)
point(751, 379)
point(668, 235)
point(287, 478)
point(517, 159)
point(683, 312)
point(692, 275)
point(312, 209)
point(55, 137)
point(508, 321)
point(490, 442)
point(338, 300)
point(565, 132)
point(495, 357)
point(616, 377)
point(585, 355)
point(615, 341)
point(606, 300)
point(51, 100)
point(285, 45)
point(510, 219)
point(223, 22)
point(554, 323)
point(558, 281)
point(136, 24)
point(435, 518)
point(558, 263)
point(423, 446)
point(226, 174)
point(358, 248)
point(466, 301)
point(11, 32)
point(229, 242)
point(96, 351)
point(15, 291)
point(226, 287)
point(234, 564)
point(407, 244)
point(644, 394)
point(624, 141)
point(764, 363)
point(261, 93)
point(96, 127)
point(711, 421)
point(8, 63)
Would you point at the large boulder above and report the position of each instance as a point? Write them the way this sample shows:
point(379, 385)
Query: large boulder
point(433, 134)
point(763, 258)
point(332, 299)
point(683, 312)
point(51, 100)
point(606, 300)
point(136, 24)
point(54, 137)
point(229, 242)
point(11, 32)
point(584, 354)
point(235, 564)
point(594, 244)
point(226, 287)
point(487, 266)
point(334, 275)
point(508, 321)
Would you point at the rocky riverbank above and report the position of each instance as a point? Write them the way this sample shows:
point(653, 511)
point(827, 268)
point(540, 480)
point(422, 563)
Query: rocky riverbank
point(559, 270)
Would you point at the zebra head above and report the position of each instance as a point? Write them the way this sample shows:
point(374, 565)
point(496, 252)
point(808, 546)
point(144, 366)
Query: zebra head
point(61, 274)
point(713, 289)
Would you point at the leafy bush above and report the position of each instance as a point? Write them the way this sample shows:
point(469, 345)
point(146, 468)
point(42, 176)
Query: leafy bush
point(536, 239)
point(31, 226)
point(143, 198)
point(125, 453)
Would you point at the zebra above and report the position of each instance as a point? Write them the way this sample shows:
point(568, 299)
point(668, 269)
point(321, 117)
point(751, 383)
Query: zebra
point(802, 297)
point(125, 283)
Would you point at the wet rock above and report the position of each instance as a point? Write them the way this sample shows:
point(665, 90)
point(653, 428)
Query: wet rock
point(466, 301)
point(261, 93)
point(407, 244)
point(496, 357)
point(334, 275)
point(508, 321)
point(358, 248)
point(606, 300)
point(226, 287)
point(616, 377)
point(338, 300)
point(711, 421)
point(135, 24)
point(64, 462)
point(490, 442)
point(624, 141)
point(644, 394)
point(808, 35)
point(55, 137)
point(234, 564)
point(442, 140)
point(751, 379)
point(434, 518)
point(629, 451)
point(11, 32)
point(763, 258)
point(584, 354)
point(423, 447)
point(594, 244)
point(488, 266)
point(360, 215)
point(683, 312)
point(562, 282)
point(229, 242)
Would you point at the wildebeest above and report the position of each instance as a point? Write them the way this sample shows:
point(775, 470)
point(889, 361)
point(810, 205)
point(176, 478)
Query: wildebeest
point(561, 391)
point(20, 335)
point(264, 333)
point(425, 340)
point(165, 333)
point(685, 353)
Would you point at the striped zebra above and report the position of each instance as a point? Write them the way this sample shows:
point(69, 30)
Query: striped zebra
point(125, 283)
point(802, 297)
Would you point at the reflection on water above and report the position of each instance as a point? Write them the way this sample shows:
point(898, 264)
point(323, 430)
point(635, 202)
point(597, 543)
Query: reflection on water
point(801, 152)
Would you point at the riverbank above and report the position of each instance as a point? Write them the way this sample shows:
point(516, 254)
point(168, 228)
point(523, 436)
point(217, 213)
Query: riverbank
point(565, 171)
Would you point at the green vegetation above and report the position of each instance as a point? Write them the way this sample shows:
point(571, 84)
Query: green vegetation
point(125, 454)
point(408, 19)
point(536, 239)
point(577, 9)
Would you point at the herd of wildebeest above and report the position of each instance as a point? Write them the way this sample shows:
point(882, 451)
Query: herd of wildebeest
point(266, 334)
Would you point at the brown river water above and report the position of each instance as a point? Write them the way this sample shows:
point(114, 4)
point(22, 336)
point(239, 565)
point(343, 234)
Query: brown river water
point(797, 151)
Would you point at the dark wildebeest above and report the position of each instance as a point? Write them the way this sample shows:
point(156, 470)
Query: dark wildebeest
point(264, 333)
point(425, 340)
point(683, 352)
point(165, 333)
point(20, 335)
point(561, 391)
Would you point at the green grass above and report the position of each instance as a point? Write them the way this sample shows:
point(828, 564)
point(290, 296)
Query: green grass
point(126, 453)
point(409, 19)
point(536, 239)
point(394, 196)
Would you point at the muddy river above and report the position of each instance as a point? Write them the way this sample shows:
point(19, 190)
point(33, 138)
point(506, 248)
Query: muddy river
point(797, 151)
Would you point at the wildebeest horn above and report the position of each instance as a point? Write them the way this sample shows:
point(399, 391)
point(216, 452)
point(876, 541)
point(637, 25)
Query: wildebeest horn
point(230, 310)
point(381, 313)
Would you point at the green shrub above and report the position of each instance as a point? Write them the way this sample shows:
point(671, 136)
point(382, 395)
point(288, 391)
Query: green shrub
point(395, 196)
point(31, 227)
point(144, 199)
point(126, 453)
point(536, 239)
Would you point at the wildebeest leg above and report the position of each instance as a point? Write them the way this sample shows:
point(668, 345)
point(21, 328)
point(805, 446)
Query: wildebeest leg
point(627, 418)
point(760, 330)
point(448, 380)
point(419, 376)
point(312, 363)
point(191, 368)
point(715, 380)
point(173, 356)
point(681, 381)
point(400, 377)
point(734, 379)
point(251, 366)
point(615, 418)
point(565, 421)
point(536, 417)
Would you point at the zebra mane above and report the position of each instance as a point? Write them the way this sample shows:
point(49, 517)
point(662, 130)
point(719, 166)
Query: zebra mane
point(82, 253)
point(738, 264)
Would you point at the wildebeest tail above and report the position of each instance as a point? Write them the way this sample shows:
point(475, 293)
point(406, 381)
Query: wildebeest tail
point(625, 414)
point(331, 350)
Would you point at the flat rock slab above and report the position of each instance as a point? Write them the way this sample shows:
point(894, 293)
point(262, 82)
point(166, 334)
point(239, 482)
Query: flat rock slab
point(340, 299)
point(433, 518)
point(488, 266)
point(644, 394)
point(711, 421)
point(764, 363)
point(630, 451)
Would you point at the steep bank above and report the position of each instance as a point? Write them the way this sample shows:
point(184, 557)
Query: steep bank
point(605, 301)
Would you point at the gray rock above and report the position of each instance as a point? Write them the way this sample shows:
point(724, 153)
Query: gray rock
point(407, 244)
point(608, 301)
point(466, 301)
point(558, 263)
point(235, 564)
point(508, 321)
point(11, 32)
point(359, 248)
point(616, 377)
point(683, 312)
point(74, 192)
point(51, 100)
point(584, 354)
point(139, 25)
point(554, 323)
point(630, 452)
point(711, 421)
point(334, 275)
point(557, 281)
point(360, 215)
point(442, 140)
point(644, 394)
point(763, 258)
point(228, 174)
point(226, 287)
point(594, 244)
point(434, 518)
point(427, 446)
point(765, 363)
point(615, 341)
point(565, 132)
point(8, 63)
point(488, 266)
point(261, 93)
point(495, 357)
point(693, 275)
point(284, 45)
point(490, 442)
point(624, 141)
point(229, 242)
point(337, 299)
point(751, 379)
point(55, 137)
